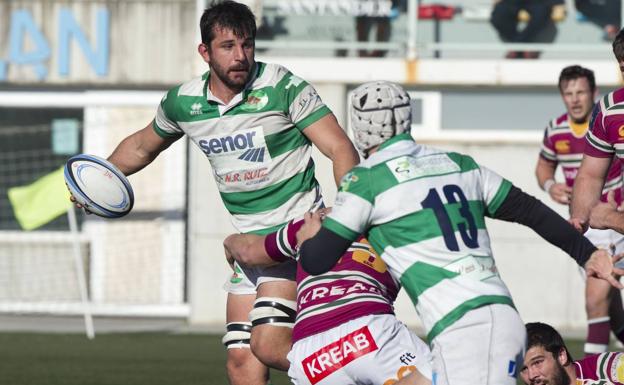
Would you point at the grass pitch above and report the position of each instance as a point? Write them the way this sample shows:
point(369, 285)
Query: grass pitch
point(122, 359)
point(114, 359)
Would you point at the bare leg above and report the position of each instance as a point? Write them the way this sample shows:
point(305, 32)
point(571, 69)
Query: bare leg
point(271, 343)
point(597, 297)
point(243, 368)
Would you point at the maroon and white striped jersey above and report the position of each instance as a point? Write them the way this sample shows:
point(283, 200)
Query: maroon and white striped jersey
point(564, 144)
point(600, 369)
point(358, 285)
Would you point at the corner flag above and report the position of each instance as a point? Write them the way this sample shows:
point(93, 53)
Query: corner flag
point(40, 202)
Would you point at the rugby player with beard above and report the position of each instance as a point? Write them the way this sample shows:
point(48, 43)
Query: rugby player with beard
point(548, 362)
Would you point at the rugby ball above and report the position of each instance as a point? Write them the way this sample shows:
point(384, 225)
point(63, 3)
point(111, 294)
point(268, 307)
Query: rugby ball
point(98, 186)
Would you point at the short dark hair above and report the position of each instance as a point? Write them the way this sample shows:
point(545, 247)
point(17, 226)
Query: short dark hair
point(575, 72)
point(227, 15)
point(618, 45)
point(541, 334)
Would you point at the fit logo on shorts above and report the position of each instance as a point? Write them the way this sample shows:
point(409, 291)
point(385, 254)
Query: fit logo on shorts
point(338, 354)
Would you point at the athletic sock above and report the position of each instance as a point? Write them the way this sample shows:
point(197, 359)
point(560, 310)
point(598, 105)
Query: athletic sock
point(597, 336)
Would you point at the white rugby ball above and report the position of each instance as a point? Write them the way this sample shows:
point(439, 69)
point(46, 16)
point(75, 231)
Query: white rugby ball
point(99, 186)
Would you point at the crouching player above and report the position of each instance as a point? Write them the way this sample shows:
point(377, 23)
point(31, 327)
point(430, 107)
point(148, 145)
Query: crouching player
point(345, 331)
point(547, 361)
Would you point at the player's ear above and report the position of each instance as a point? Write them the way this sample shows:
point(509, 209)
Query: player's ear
point(562, 357)
point(204, 52)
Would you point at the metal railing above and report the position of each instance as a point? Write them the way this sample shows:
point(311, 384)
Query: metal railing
point(411, 47)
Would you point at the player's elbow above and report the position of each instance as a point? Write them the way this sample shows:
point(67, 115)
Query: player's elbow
point(312, 264)
point(315, 258)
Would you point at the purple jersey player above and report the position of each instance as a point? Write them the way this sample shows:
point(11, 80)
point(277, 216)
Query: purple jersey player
point(548, 362)
point(605, 144)
point(345, 331)
point(563, 145)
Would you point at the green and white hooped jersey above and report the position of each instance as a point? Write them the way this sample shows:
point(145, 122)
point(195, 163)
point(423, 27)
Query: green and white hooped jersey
point(260, 158)
point(423, 210)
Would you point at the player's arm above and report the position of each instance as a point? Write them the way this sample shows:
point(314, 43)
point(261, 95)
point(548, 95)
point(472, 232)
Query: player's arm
point(545, 173)
point(139, 149)
point(333, 142)
point(527, 210)
point(588, 187)
point(263, 250)
point(247, 249)
point(320, 248)
point(607, 215)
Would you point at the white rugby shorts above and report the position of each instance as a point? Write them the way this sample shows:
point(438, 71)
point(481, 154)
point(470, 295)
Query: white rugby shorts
point(607, 239)
point(483, 347)
point(372, 349)
point(245, 280)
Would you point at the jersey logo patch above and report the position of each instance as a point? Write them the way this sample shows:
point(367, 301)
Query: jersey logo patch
point(406, 167)
point(366, 255)
point(562, 146)
point(196, 109)
point(232, 152)
point(256, 100)
point(253, 155)
point(338, 354)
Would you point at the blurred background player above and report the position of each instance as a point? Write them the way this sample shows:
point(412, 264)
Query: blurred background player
point(346, 331)
point(564, 144)
point(256, 123)
point(605, 144)
point(424, 210)
point(548, 361)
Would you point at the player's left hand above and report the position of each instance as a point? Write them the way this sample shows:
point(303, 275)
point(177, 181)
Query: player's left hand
point(599, 217)
point(311, 226)
point(600, 265)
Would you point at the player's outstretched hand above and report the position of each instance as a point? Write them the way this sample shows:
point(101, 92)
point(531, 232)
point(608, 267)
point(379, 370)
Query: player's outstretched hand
point(600, 265)
point(560, 193)
point(579, 225)
point(602, 214)
point(311, 226)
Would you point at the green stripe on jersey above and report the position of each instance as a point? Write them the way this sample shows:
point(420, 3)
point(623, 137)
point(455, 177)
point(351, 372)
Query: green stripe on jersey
point(464, 308)
point(499, 197)
point(268, 230)
point(284, 141)
point(337, 303)
point(602, 366)
point(421, 276)
point(164, 134)
point(384, 178)
point(421, 225)
point(270, 197)
point(313, 118)
point(465, 162)
point(595, 143)
point(340, 229)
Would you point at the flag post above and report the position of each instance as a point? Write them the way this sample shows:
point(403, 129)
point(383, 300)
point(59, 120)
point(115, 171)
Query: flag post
point(80, 272)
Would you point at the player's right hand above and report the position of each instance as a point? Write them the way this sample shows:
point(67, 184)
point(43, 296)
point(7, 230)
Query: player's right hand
point(561, 193)
point(579, 225)
point(311, 226)
point(600, 265)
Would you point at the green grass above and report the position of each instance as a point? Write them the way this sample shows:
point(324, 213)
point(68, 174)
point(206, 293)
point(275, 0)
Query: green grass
point(114, 359)
point(123, 359)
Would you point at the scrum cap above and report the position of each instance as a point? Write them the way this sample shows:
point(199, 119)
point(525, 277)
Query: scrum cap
point(379, 111)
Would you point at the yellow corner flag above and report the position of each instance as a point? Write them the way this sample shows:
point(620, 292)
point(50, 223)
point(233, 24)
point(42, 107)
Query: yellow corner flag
point(40, 202)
